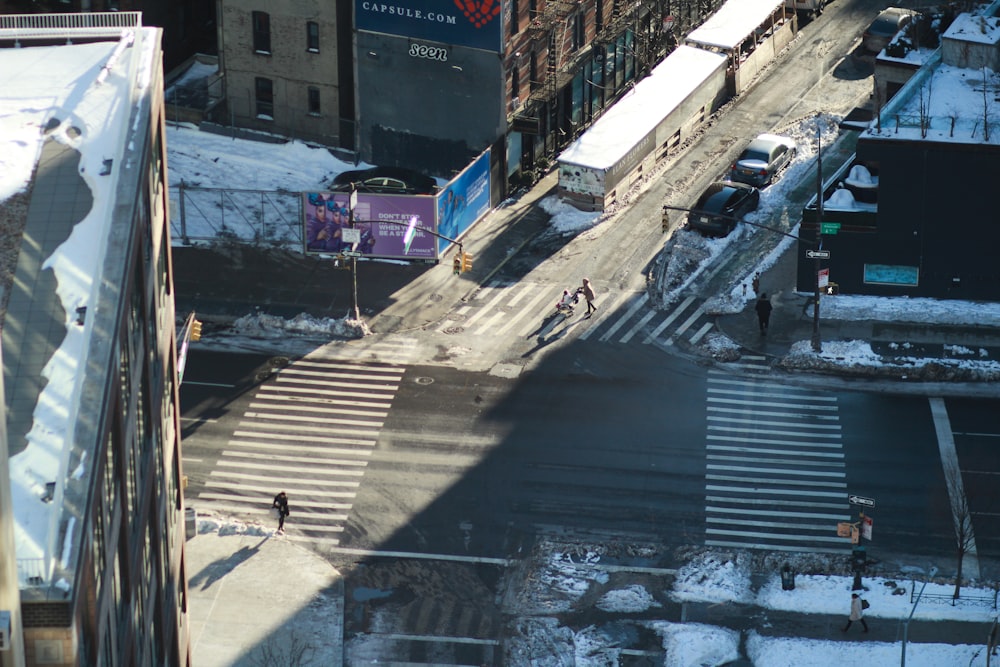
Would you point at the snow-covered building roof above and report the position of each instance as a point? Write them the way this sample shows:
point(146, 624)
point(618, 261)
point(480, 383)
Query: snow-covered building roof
point(733, 23)
point(951, 98)
point(640, 110)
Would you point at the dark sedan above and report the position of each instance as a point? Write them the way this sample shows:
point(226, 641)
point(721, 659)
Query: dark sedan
point(385, 180)
point(721, 206)
point(885, 26)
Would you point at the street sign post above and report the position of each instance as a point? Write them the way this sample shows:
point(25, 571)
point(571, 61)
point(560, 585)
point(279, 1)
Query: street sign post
point(818, 254)
point(351, 253)
point(829, 227)
point(861, 500)
point(823, 278)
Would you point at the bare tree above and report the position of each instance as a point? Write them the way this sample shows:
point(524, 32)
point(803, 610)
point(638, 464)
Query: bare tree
point(296, 652)
point(965, 539)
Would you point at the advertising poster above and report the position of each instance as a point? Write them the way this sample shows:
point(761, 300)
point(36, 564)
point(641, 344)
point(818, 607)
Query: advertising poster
point(476, 24)
point(464, 200)
point(382, 220)
point(581, 180)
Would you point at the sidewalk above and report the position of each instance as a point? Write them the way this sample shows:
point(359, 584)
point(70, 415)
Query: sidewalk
point(254, 599)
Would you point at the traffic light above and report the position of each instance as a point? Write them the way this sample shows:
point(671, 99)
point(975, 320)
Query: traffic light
point(456, 265)
point(195, 330)
point(466, 262)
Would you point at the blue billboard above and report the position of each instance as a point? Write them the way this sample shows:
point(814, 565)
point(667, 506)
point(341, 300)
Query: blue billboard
point(464, 200)
point(476, 24)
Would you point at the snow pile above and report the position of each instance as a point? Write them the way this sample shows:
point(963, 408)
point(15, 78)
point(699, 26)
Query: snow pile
point(855, 357)
point(260, 325)
point(631, 599)
point(714, 577)
point(694, 644)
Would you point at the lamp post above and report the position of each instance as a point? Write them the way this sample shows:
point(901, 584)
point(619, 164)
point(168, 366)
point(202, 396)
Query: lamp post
point(816, 346)
point(906, 623)
point(352, 202)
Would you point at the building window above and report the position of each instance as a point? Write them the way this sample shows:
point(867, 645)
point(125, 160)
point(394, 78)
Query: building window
point(514, 9)
point(265, 98)
point(261, 32)
point(314, 100)
point(515, 88)
point(579, 31)
point(312, 37)
point(532, 8)
point(599, 16)
point(533, 71)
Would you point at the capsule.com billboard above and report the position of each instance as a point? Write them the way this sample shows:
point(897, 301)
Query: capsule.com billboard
point(476, 24)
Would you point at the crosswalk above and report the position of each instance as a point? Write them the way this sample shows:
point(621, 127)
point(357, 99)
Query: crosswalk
point(502, 308)
point(775, 475)
point(309, 431)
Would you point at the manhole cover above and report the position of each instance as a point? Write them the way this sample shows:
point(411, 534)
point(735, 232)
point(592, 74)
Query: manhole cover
point(453, 330)
point(424, 380)
point(434, 298)
point(456, 317)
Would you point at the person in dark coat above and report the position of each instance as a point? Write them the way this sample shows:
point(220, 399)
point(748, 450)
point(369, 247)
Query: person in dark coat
point(763, 312)
point(281, 504)
point(857, 613)
point(588, 294)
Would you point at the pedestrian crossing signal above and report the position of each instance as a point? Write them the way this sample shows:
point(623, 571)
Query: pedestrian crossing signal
point(195, 330)
point(456, 265)
point(466, 262)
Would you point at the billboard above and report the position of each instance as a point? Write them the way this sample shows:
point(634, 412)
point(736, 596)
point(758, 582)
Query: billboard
point(464, 200)
point(382, 219)
point(471, 23)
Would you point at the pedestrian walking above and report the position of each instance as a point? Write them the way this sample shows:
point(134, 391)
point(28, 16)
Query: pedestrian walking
point(756, 283)
point(857, 613)
point(281, 504)
point(588, 294)
point(763, 312)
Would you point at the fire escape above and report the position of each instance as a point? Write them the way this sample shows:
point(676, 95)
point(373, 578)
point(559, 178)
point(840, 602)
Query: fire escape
point(552, 26)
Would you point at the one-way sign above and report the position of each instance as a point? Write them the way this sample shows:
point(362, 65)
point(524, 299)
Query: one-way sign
point(818, 254)
point(861, 500)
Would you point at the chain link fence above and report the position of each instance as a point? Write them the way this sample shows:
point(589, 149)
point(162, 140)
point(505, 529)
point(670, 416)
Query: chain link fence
point(257, 217)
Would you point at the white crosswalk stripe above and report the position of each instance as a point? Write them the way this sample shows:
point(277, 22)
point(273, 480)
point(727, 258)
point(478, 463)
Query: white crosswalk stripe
point(310, 431)
point(775, 476)
point(501, 307)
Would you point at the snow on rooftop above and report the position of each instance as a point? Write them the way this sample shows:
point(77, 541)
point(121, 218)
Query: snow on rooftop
point(974, 28)
point(640, 110)
point(64, 83)
point(733, 23)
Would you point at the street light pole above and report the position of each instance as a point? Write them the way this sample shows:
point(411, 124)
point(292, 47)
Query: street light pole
point(352, 202)
point(816, 346)
point(906, 624)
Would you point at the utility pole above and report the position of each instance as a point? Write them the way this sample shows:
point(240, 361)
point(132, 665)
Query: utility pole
point(816, 345)
point(906, 623)
point(352, 202)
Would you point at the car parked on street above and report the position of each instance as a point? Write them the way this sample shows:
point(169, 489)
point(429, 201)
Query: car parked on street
point(385, 180)
point(762, 159)
point(721, 206)
point(884, 28)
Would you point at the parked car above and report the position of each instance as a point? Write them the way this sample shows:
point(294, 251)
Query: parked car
point(762, 159)
point(385, 180)
point(721, 206)
point(884, 28)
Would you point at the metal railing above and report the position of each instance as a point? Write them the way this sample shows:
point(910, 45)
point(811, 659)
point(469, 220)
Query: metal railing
point(989, 600)
point(258, 217)
point(58, 26)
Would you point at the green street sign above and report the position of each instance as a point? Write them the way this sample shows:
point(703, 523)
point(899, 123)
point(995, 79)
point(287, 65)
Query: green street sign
point(829, 227)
